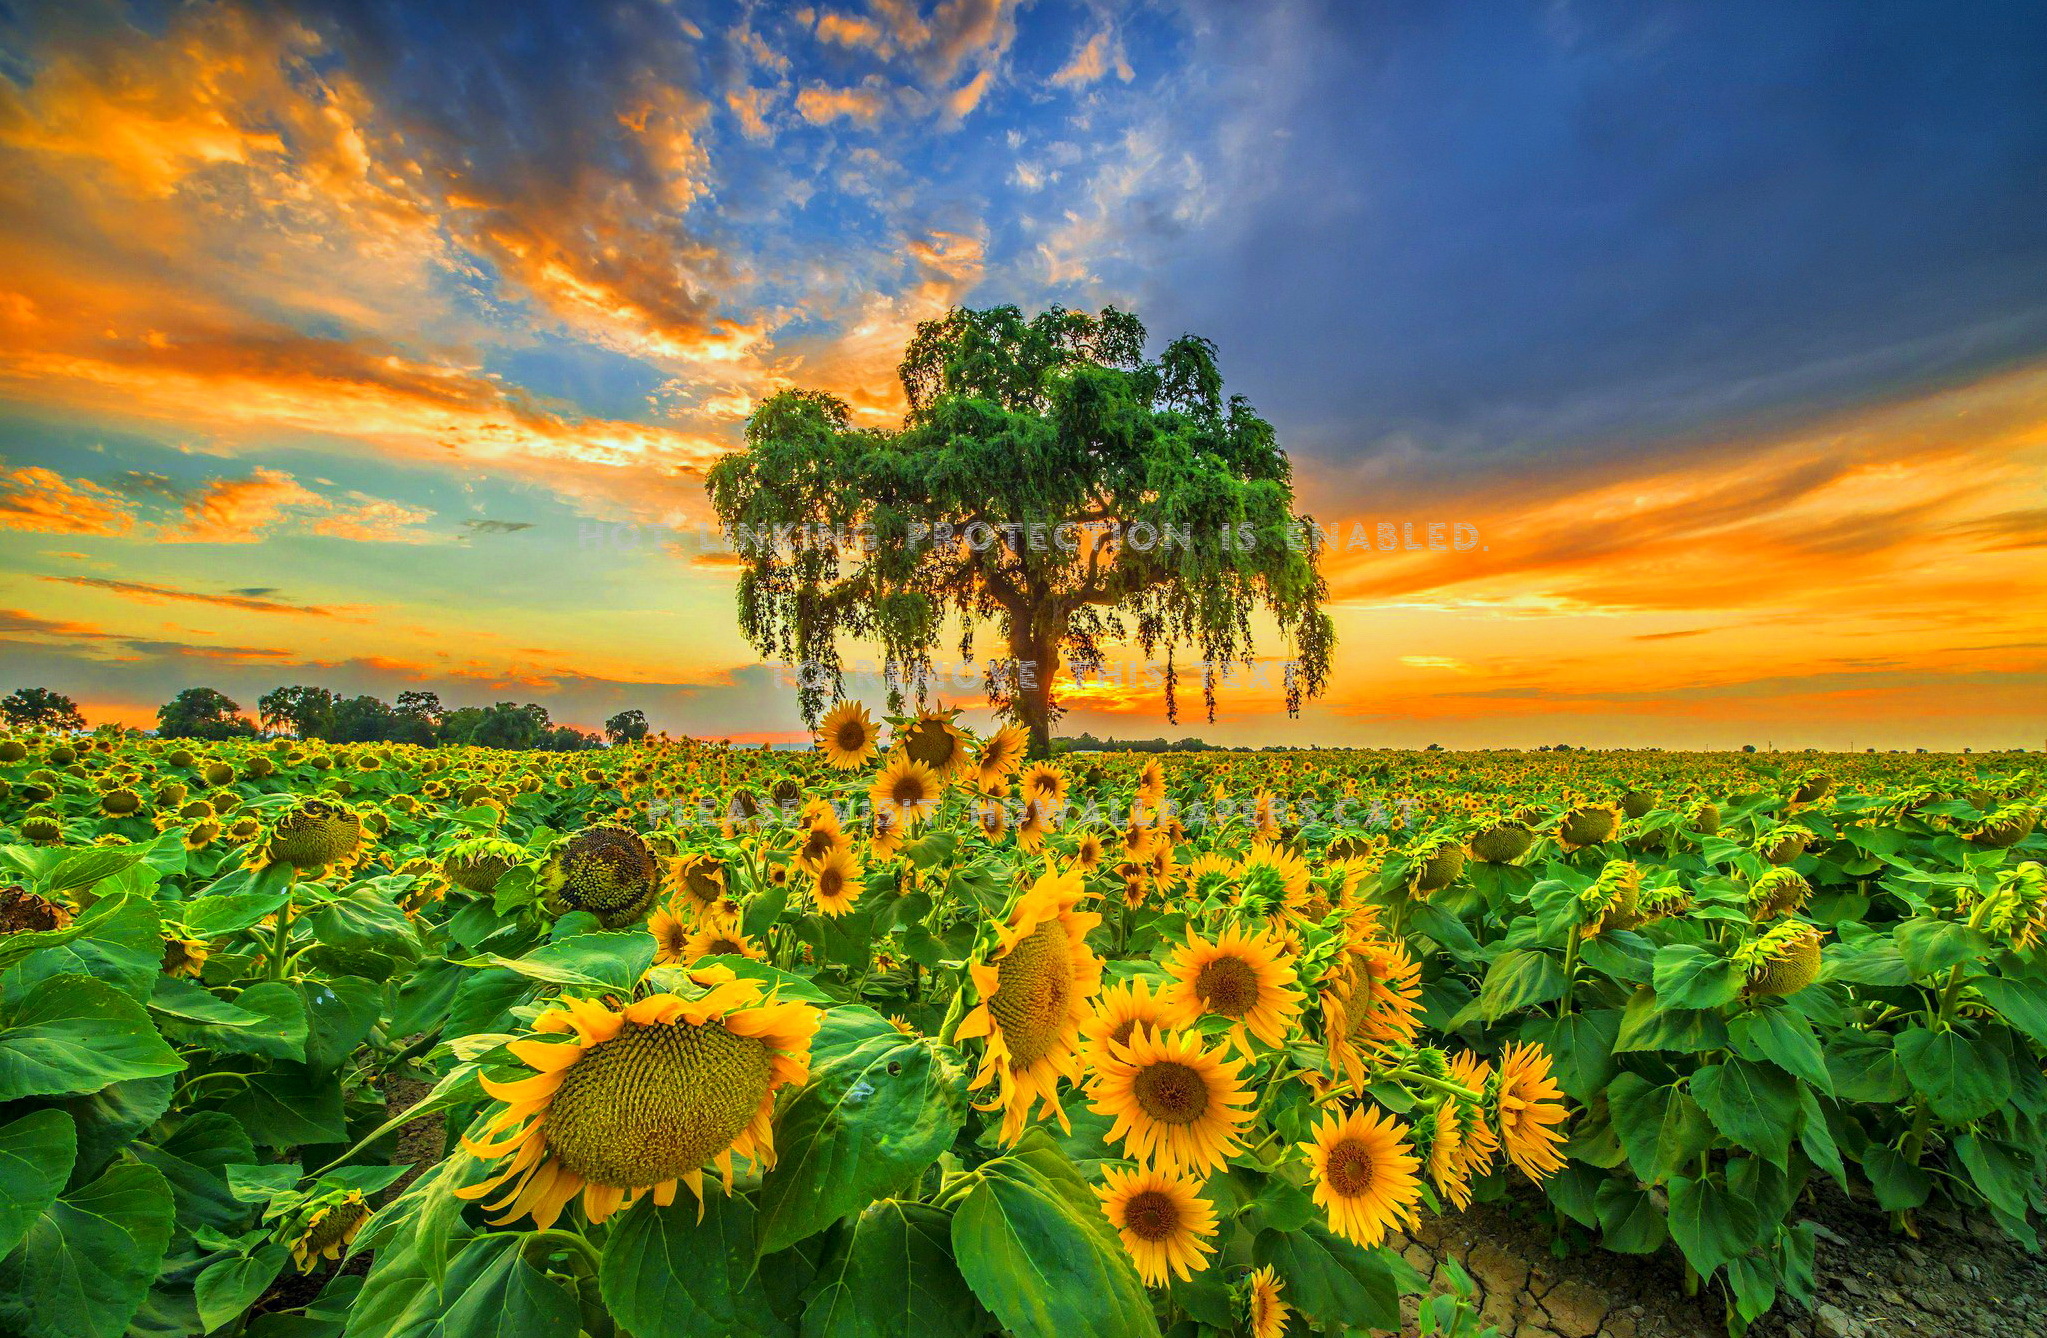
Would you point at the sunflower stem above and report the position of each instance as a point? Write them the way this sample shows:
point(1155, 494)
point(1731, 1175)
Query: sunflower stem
point(279, 961)
point(1433, 1083)
point(955, 1014)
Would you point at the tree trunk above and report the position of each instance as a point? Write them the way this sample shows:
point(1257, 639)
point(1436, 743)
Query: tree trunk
point(1037, 664)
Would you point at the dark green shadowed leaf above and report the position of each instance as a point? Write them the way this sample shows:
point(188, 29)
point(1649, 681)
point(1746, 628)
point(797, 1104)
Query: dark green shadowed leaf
point(88, 1260)
point(892, 1275)
point(76, 1034)
point(668, 1275)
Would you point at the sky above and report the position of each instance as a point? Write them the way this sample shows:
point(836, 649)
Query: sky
point(383, 346)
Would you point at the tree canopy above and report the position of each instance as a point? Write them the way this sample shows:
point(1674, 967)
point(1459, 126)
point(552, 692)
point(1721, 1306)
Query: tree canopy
point(40, 708)
point(1058, 434)
point(202, 713)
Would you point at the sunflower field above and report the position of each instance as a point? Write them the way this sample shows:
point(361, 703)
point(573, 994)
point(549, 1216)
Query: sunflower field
point(907, 1035)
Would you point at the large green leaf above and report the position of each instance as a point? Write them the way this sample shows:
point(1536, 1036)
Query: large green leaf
point(1580, 1047)
point(1929, 946)
point(1334, 1282)
point(230, 1286)
point(1517, 979)
point(1711, 1223)
point(88, 1260)
point(601, 961)
point(1629, 1220)
point(1962, 1078)
point(230, 912)
point(1662, 1128)
point(124, 947)
point(892, 1275)
point(339, 1013)
point(2023, 1003)
point(1690, 976)
point(184, 1001)
point(75, 1034)
point(862, 1126)
point(36, 1152)
point(87, 867)
point(278, 1031)
point(1646, 1026)
point(364, 920)
point(1755, 1105)
point(289, 1106)
point(667, 1274)
point(1783, 1037)
point(491, 1291)
point(1034, 1256)
point(109, 1119)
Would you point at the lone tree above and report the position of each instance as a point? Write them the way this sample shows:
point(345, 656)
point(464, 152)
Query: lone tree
point(626, 727)
point(202, 713)
point(1125, 497)
point(40, 708)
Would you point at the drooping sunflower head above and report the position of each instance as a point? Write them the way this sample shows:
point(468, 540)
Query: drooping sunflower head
point(1265, 1313)
point(847, 737)
point(604, 869)
point(313, 833)
point(1044, 783)
point(1785, 842)
point(1703, 818)
point(1778, 891)
point(185, 956)
point(721, 941)
point(1371, 1003)
point(1178, 1104)
point(1611, 900)
point(1001, 754)
point(1273, 876)
point(1503, 842)
point(641, 1099)
point(1436, 863)
point(1587, 825)
point(476, 864)
point(1034, 984)
point(671, 937)
point(1243, 975)
point(1784, 959)
point(1151, 785)
point(1526, 1106)
point(2004, 828)
point(1365, 1174)
point(327, 1227)
point(120, 802)
point(1461, 1143)
point(1814, 787)
point(937, 743)
point(2016, 909)
point(1162, 1219)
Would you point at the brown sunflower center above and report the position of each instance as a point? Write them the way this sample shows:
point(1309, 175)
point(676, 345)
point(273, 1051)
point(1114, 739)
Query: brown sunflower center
point(656, 1102)
point(817, 845)
point(673, 937)
point(1349, 1169)
point(851, 736)
point(908, 790)
point(1033, 988)
point(1227, 985)
point(721, 946)
point(333, 1225)
point(1151, 1214)
point(1171, 1092)
point(831, 881)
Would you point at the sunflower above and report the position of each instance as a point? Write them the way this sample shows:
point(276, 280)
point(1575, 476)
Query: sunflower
point(907, 788)
point(185, 956)
point(604, 869)
point(1265, 811)
point(1372, 1002)
point(821, 837)
point(1002, 753)
point(1273, 875)
point(720, 941)
point(327, 1231)
point(1044, 782)
point(1151, 786)
point(1463, 1144)
point(312, 833)
point(1121, 1009)
point(937, 743)
point(1784, 960)
point(1034, 824)
point(671, 937)
point(1175, 1100)
point(1034, 987)
point(1364, 1175)
point(699, 881)
point(990, 816)
point(1240, 975)
point(846, 737)
point(1265, 1312)
point(836, 884)
point(1087, 851)
point(1526, 1103)
point(1163, 1220)
point(641, 1099)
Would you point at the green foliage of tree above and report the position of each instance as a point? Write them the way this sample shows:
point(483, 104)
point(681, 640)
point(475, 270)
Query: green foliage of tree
point(202, 713)
point(1056, 418)
point(40, 708)
point(626, 727)
point(298, 710)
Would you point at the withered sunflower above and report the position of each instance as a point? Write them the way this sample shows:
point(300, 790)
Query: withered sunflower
point(1364, 1174)
point(1177, 1103)
point(1163, 1221)
point(641, 1099)
point(1034, 989)
point(327, 1231)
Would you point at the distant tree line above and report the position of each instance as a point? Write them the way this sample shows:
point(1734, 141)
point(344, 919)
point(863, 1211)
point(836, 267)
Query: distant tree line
point(318, 713)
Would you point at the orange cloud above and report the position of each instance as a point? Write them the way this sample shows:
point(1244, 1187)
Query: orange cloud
point(45, 502)
point(148, 593)
point(821, 106)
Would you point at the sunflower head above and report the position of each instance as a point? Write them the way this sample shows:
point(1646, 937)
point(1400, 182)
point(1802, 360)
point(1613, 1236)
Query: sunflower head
point(326, 1226)
point(42, 829)
point(906, 788)
point(1703, 818)
point(2008, 825)
point(1813, 788)
point(937, 743)
point(1779, 891)
point(312, 833)
point(12, 751)
point(836, 884)
point(846, 737)
point(1162, 1219)
point(23, 912)
point(1785, 843)
point(1365, 1174)
point(604, 869)
point(1178, 1103)
point(1587, 825)
point(1612, 899)
point(2016, 909)
point(1502, 842)
point(1034, 982)
point(1783, 960)
point(1526, 1105)
point(120, 802)
point(1243, 975)
point(1436, 864)
point(1265, 1313)
point(643, 1098)
point(476, 865)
